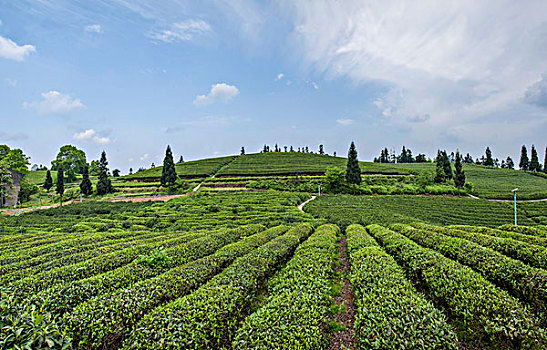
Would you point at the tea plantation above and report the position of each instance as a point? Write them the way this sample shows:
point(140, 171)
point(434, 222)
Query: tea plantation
point(237, 265)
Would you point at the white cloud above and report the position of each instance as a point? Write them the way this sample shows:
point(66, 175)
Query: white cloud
point(10, 82)
point(10, 50)
point(93, 28)
point(455, 64)
point(280, 76)
point(315, 86)
point(91, 136)
point(55, 103)
point(219, 92)
point(536, 94)
point(144, 156)
point(345, 121)
point(182, 31)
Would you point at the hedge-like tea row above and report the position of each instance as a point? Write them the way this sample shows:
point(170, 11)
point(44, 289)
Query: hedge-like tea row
point(391, 314)
point(527, 238)
point(526, 282)
point(208, 317)
point(27, 286)
point(105, 321)
point(64, 296)
point(299, 299)
point(74, 254)
point(531, 254)
point(540, 231)
point(74, 245)
point(480, 309)
point(357, 238)
point(81, 258)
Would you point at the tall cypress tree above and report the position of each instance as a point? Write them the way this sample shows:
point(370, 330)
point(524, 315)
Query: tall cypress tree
point(489, 161)
point(60, 189)
point(353, 172)
point(534, 161)
point(440, 175)
point(49, 181)
point(524, 163)
point(545, 162)
point(104, 185)
point(459, 174)
point(85, 186)
point(446, 165)
point(168, 172)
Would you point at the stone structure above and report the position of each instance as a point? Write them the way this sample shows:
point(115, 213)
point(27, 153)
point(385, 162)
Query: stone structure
point(12, 197)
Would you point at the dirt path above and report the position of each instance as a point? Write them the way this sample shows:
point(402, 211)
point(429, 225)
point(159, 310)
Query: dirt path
point(300, 206)
point(509, 200)
point(344, 339)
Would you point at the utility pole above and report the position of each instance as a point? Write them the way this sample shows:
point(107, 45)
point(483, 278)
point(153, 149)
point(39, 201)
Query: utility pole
point(515, 203)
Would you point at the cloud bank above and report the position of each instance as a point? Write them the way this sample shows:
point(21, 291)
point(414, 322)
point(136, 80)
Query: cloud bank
point(56, 103)
point(10, 50)
point(219, 92)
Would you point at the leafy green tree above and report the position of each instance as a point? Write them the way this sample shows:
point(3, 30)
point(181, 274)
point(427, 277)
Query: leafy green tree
point(94, 169)
point(534, 160)
point(6, 181)
point(104, 185)
point(321, 151)
point(421, 158)
point(116, 173)
point(26, 190)
point(459, 173)
point(49, 181)
point(168, 172)
point(60, 188)
point(16, 160)
point(85, 186)
point(489, 161)
point(181, 160)
point(4, 150)
point(335, 178)
point(71, 159)
point(353, 171)
point(509, 164)
point(524, 162)
point(243, 150)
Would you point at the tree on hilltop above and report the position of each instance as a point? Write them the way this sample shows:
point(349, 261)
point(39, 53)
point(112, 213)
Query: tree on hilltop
point(242, 151)
point(168, 172)
point(104, 185)
point(524, 162)
point(534, 160)
point(353, 171)
point(489, 161)
point(459, 174)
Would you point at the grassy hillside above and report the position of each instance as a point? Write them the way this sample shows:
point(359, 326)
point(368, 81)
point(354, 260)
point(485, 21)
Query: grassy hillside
point(195, 168)
point(407, 209)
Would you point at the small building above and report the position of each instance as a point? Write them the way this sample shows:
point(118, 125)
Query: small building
point(11, 196)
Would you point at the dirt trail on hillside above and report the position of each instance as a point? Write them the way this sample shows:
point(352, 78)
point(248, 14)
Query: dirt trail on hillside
point(301, 206)
point(344, 339)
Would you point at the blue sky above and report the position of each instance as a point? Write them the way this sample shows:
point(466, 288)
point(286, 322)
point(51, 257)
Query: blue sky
point(209, 77)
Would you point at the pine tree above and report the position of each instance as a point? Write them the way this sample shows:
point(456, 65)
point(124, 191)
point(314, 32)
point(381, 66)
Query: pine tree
point(104, 185)
point(168, 172)
point(524, 163)
point(181, 160)
point(489, 161)
point(49, 181)
point(242, 151)
point(509, 164)
point(534, 160)
point(353, 171)
point(60, 188)
point(130, 171)
point(545, 162)
point(321, 149)
point(85, 186)
point(459, 174)
point(447, 167)
point(440, 175)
